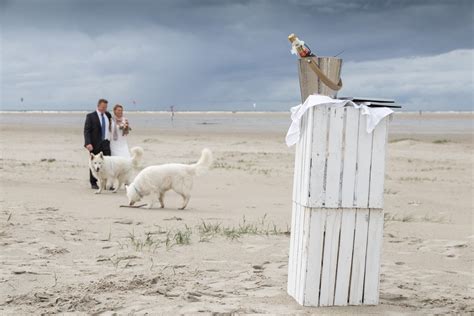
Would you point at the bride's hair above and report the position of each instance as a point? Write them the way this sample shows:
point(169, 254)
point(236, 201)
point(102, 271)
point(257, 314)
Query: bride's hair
point(117, 106)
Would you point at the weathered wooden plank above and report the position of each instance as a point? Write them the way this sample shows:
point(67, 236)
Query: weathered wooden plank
point(315, 252)
point(297, 256)
point(333, 173)
point(374, 248)
point(319, 152)
point(307, 157)
point(346, 244)
point(292, 251)
point(302, 142)
point(350, 156)
point(300, 273)
point(364, 154)
point(331, 247)
point(358, 257)
point(296, 173)
point(305, 248)
point(377, 169)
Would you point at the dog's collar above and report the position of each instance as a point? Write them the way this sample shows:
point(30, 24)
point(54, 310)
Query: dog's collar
point(136, 190)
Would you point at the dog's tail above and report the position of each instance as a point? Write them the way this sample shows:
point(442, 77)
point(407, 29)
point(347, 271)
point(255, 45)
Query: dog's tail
point(203, 163)
point(137, 154)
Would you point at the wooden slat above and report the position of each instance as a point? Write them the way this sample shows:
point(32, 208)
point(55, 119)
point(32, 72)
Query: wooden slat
point(346, 243)
point(307, 157)
point(297, 257)
point(302, 142)
point(350, 156)
point(291, 255)
point(333, 173)
point(377, 169)
point(364, 154)
point(374, 248)
point(306, 213)
point(358, 257)
point(331, 247)
point(296, 173)
point(319, 151)
point(315, 251)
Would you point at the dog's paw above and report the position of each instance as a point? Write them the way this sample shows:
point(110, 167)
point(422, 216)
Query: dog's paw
point(98, 192)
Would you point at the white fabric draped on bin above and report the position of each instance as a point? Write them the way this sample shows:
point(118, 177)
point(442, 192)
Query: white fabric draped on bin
point(374, 115)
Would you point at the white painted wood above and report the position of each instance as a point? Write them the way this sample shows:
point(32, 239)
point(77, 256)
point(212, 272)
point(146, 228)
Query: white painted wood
point(334, 149)
point(292, 251)
point(319, 152)
point(350, 156)
point(377, 169)
point(306, 213)
point(307, 156)
point(298, 237)
point(358, 257)
point(315, 251)
point(374, 248)
point(364, 153)
point(331, 247)
point(302, 142)
point(346, 243)
point(296, 173)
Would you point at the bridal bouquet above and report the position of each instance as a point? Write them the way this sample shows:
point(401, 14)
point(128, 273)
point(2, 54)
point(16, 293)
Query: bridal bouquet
point(124, 127)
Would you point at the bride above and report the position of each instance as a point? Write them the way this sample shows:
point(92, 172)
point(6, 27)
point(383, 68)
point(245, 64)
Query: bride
point(120, 130)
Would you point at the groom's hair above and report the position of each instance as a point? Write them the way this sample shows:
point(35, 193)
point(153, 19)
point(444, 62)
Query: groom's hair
point(102, 101)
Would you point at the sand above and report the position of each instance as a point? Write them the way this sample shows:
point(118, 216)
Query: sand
point(65, 249)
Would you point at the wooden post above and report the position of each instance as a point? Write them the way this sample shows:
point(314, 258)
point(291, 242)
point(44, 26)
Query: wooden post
point(337, 217)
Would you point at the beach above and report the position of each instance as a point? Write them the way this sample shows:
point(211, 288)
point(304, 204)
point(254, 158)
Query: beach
point(65, 249)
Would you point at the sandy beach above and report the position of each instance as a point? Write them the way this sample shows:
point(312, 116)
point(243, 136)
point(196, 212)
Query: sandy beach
point(65, 249)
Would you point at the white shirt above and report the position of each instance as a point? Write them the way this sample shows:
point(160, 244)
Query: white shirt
point(106, 120)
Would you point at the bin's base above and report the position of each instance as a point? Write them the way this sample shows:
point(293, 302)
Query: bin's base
point(335, 256)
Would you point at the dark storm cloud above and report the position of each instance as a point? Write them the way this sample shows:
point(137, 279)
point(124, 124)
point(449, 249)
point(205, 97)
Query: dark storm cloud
point(216, 54)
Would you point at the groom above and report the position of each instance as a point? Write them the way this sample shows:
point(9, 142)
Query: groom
point(97, 134)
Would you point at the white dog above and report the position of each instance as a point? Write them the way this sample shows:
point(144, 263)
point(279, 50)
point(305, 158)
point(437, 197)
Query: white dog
point(162, 178)
point(112, 168)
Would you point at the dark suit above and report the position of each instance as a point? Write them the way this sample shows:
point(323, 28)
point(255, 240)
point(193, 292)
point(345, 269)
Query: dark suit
point(93, 136)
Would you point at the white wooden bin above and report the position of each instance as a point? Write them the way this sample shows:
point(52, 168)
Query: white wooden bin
point(337, 217)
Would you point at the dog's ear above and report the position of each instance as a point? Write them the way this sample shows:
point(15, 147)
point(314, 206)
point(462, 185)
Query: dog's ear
point(126, 187)
point(91, 155)
point(101, 155)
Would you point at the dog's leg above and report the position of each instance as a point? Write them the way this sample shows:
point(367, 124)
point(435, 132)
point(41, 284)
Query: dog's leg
point(153, 200)
point(100, 186)
point(117, 187)
point(162, 203)
point(185, 201)
point(151, 204)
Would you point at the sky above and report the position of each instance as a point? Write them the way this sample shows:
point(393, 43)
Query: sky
point(228, 55)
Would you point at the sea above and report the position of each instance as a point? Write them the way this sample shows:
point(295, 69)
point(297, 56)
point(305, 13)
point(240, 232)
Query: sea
point(402, 122)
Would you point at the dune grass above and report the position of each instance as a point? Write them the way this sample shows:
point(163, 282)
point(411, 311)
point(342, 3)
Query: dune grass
point(204, 232)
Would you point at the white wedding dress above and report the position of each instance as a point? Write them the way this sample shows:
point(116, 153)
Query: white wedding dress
point(118, 147)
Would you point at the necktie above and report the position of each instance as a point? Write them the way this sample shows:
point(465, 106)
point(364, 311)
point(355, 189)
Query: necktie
point(103, 126)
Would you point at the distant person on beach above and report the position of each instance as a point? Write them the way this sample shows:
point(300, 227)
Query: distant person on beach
point(97, 134)
point(120, 130)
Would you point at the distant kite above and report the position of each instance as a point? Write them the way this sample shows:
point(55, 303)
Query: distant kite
point(21, 100)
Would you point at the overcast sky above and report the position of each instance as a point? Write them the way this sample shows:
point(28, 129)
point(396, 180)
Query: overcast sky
point(227, 55)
